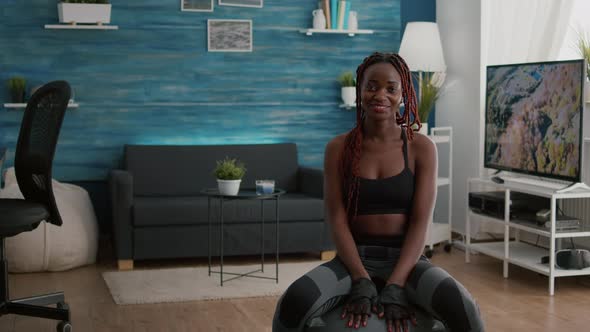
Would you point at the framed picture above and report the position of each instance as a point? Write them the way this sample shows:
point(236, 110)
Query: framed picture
point(229, 35)
point(196, 5)
point(241, 3)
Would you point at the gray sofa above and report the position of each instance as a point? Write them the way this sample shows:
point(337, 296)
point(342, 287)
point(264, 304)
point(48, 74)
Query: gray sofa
point(158, 211)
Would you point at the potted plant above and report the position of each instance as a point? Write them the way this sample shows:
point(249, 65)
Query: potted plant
point(348, 90)
point(429, 90)
point(584, 50)
point(229, 173)
point(16, 87)
point(84, 11)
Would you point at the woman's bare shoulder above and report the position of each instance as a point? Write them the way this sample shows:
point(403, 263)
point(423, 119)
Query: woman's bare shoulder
point(423, 145)
point(336, 143)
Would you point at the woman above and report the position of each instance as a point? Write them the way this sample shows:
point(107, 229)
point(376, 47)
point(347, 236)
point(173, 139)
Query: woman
point(379, 191)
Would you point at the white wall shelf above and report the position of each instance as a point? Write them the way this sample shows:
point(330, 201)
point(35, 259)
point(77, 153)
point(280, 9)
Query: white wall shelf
point(24, 105)
point(520, 253)
point(442, 231)
point(351, 33)
point(347, 106)
point(82, 26)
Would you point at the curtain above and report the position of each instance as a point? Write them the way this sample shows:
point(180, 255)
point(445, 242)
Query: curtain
point(516, 31)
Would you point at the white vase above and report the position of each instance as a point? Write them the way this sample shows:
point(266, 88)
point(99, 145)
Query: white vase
point(84, 13)
point(228, 187)
point(319, 19)
point(348, 94)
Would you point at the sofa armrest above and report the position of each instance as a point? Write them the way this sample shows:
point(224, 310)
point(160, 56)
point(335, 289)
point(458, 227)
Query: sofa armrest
point(121, 188)
point(311, 181)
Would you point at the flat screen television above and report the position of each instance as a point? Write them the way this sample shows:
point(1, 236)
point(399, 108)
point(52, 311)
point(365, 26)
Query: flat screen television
point(533, 118)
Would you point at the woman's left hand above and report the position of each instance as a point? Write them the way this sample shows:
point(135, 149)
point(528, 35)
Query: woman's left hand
point(392, 304)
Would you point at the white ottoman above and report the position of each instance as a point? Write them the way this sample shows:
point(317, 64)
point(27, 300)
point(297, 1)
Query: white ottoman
point(50, 247)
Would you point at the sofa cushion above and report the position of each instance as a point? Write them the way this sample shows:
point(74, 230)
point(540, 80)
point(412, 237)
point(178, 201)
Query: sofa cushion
point(187, 210)
point(165, 170)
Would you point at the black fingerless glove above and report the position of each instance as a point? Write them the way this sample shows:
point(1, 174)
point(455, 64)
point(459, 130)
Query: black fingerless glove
point(362, 294)
point(393, 303)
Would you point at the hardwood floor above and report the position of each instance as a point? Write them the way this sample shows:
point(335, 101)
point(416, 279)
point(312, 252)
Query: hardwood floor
point(519, 303)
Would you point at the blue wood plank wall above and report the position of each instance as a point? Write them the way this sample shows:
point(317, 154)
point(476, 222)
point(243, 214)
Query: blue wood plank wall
point(153, 81)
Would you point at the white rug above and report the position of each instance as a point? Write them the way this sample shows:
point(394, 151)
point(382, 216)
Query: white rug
point(193, 283)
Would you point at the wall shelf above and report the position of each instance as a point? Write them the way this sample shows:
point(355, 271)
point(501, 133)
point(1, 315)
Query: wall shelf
point(347, 106)
point(82, 26)
point(351, 33)
point(24, 105)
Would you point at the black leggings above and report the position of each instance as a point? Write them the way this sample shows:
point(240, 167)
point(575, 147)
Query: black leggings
point(326, 286)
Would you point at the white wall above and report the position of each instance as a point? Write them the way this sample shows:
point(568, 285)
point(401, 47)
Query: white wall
point(578, 23)
point(459, 24)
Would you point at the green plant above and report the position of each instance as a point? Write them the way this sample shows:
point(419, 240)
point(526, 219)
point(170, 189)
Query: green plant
point(85, 1)
point(584, 50)
point(346, 79)
point(430, 90)
point(229, 169)
point(16, 86)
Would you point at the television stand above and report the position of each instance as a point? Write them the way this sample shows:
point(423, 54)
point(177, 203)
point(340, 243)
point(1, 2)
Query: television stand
point(574, 186)
point(510, 249)
point(557, 186)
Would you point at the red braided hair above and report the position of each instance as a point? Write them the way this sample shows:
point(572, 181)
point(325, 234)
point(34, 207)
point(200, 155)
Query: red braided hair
point(349, 162)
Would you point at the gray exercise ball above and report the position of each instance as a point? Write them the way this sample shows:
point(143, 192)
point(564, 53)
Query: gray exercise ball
point(331, 322)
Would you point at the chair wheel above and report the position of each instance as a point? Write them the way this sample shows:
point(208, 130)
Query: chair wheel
point(448, 247)
point(64, 326)
point(429, 253)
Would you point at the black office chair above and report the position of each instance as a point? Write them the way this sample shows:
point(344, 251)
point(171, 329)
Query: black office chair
point(33, 160)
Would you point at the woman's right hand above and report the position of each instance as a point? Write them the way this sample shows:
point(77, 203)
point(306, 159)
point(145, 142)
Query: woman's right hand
point(357, 308)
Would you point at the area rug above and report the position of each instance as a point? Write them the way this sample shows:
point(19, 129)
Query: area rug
point(193, 283)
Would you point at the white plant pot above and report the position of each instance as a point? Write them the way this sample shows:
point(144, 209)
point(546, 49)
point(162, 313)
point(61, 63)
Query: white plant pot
point(228, 187)
point(348, 94)
point(84, 13)
point(587, 91)
point(424, 129)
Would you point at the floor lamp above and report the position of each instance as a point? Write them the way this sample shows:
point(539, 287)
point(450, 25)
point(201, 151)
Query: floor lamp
point(422, 50)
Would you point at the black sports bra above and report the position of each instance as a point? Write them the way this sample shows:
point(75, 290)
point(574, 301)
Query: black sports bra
point(392, 195)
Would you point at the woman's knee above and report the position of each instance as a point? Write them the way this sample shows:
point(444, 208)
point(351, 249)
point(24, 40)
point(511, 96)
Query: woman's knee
point(437, 291)
point(308, 293)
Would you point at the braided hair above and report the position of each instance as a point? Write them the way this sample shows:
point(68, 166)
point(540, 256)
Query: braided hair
point(349, 162)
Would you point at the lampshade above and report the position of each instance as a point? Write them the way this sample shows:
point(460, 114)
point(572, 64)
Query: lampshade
point(421, 47)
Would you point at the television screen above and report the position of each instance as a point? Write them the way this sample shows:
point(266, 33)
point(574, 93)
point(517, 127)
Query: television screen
point(533, 118)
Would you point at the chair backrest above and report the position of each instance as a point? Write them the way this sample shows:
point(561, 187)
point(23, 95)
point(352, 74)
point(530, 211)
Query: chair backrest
point(36, 144)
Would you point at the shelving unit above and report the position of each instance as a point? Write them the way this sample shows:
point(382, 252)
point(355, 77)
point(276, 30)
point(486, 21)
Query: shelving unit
point(520, 253)
point(24, 105)
point(82, 26)
point(350, 33)
point(437, 231)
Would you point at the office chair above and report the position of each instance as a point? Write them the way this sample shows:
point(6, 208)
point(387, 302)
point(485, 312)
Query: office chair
point(32, 163)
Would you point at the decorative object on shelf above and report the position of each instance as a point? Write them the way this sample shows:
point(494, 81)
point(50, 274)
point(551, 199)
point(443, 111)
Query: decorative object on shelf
point(229, 173)
point(16, 88)
point(422, 50)
point(348, 88)
point(353, 23)
point(319, 19)
point(229, 35)
point(584, 51)
point(242, 3)
point(84, 11)
point(196, 5)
